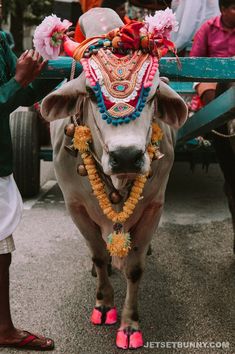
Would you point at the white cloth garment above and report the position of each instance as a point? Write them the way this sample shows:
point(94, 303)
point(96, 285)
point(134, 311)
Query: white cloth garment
point(7, 245)
point(11, 206)
point(191, 14)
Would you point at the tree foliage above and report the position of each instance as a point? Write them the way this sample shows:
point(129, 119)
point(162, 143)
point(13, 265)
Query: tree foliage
point(25, 12)
point(33, 10)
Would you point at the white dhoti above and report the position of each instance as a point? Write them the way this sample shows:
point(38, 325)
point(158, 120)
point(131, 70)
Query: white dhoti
point(10, 212)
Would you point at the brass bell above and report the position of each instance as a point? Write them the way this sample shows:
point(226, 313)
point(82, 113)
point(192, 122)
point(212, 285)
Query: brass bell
point(70, 149)
point(115, 197)
point(69, 130)
point(81, 170)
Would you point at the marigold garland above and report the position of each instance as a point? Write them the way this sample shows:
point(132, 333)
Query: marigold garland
point(118, 241)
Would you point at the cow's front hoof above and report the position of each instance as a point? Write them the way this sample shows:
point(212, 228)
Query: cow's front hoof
point(104, 315)
point(129, 338)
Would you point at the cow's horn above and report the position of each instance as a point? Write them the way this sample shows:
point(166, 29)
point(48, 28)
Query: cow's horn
point(70, 46)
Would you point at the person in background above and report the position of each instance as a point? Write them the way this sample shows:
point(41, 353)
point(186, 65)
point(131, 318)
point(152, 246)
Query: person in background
point(16, 76)
point(138, 9)
point(9, 37)
point(153, 5)
point(191, 15)
point(89, 4)
point(216, 38)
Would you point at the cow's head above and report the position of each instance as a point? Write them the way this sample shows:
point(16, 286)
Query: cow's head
point(122, 144)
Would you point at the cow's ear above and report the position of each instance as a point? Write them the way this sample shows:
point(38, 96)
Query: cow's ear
point(65, 101)
point(170, 106)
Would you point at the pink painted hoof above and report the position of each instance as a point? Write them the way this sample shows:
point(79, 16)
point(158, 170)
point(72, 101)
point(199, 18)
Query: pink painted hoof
point(129, 338)
point(111, 316)
point(122, 340)
point(136, 340)
point(96, 317)
point(104, 315)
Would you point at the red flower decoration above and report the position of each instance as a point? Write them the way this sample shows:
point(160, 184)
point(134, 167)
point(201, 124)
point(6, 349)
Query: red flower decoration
point(130, 35)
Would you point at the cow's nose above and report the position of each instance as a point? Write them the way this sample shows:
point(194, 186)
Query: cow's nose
point(126, 160)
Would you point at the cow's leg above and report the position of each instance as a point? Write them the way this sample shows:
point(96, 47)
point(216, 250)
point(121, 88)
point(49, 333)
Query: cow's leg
point(93, 270)
point(104, 311)
point(129, 334)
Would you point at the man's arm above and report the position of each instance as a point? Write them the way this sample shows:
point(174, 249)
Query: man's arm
point(18, 91)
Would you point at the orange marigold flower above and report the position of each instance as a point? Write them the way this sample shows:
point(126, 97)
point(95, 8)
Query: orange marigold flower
point(157, 133)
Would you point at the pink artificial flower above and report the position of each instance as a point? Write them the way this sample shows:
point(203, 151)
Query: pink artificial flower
point(162, 23)
point(49, 35)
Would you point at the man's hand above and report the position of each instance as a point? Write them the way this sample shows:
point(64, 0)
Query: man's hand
point(28, 67)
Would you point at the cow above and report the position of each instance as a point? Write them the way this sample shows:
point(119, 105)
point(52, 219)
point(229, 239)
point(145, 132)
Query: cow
point(121, 155)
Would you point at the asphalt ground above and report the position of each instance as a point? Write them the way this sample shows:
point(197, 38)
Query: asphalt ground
point(187, 293)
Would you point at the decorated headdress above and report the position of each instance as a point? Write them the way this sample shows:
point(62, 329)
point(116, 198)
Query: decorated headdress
point(120, 61)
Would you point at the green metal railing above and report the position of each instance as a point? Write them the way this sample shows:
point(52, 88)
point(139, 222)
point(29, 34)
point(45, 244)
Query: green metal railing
point(181, 79)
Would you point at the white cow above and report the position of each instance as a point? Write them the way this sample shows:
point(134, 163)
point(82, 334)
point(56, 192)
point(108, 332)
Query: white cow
point(121, 155)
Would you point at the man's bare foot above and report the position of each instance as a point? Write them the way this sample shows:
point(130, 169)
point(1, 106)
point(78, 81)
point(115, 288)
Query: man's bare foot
point(17, 338)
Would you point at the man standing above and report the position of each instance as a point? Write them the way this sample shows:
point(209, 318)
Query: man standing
point(15, 90)
point(216, 38)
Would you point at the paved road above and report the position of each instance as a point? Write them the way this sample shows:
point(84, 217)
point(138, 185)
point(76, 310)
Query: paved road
point(188, 290)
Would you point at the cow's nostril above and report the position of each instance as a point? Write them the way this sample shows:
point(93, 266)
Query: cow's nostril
point(113, 160)
point(139, 162)
point(139, 159)
point(126, 160)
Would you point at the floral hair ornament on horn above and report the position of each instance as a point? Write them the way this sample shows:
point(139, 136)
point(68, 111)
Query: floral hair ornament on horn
point(150, 36)
point(49, 36)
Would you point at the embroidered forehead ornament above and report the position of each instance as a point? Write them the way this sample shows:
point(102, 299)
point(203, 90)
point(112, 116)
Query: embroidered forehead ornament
point(121, 64)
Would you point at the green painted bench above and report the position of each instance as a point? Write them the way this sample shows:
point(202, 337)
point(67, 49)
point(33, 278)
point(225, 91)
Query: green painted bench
point(193, 69)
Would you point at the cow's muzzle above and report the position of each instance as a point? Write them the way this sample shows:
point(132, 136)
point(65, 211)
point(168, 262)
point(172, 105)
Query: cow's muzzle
point(126, 160)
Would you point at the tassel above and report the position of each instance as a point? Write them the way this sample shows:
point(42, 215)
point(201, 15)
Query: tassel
point(119, 242)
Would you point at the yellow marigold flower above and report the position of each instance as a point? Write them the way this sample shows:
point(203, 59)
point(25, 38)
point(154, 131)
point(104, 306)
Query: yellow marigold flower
point(107, 210)
point(98, 186)
point(82, 138)
point(134, 195)
point(142, 179)
point(157, 133)
point(113, 216)
point(92, 170)
point(129, 206)
point(103, 206)
point(119, 244)
point(136, 189)
point(88, 161)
